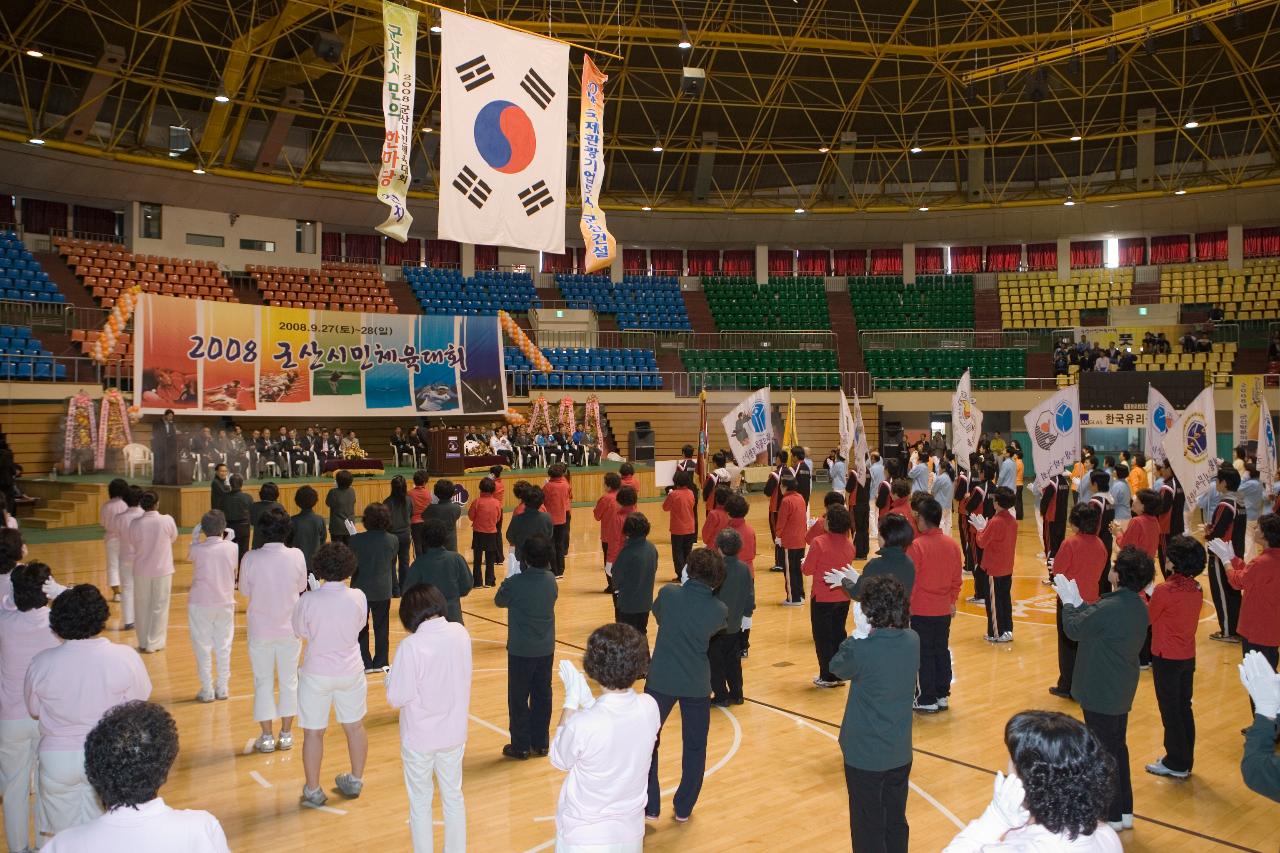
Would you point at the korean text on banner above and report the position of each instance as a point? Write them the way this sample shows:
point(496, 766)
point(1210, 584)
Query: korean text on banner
point(749, 428)
point(601, 247)
point(1248, 393)
point(1160, 416)
point(1054, 427)
point(399, 79)
point(504, 126)
point(966, 421)
point(1266, 446)
point(1190, 446)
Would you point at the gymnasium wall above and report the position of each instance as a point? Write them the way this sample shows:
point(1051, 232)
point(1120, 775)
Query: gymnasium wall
point(177, 222)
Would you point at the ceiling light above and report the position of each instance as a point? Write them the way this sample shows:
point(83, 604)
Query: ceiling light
point(1070, 202)
point(35, 140)
point(685, 43)
point(435, 20)
point(435, 28)
point(657, 148)
point(823, 150)
point(197, 171)
point(221, 96)
point(1179, 192)
point(1076, 137)
point(426, 130)
point(34, 54)
point(923, 209)
point(1191, 124)
point(646, 207)
point(799, 210)
point(916, 149)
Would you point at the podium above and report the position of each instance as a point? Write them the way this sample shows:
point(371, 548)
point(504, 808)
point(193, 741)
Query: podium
point(444, 451)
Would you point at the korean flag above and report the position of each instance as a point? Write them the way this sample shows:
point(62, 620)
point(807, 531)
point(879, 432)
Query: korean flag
point(504, 136)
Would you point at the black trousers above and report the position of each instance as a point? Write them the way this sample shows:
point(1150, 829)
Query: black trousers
point(962, 524)
point(681, 547)
point(1111, 731)
point(934, 677)
point(1104, 580)
point(861, 531)
point(1144, 653)
point(828, 620)
point(779, 554)
point(1226, 598)
point(1017, 503)
point(560, 541)
point(695, 723)
point(1173, 681)
point(981, 582)
point(1066, 653)
point(725, 655)
point(241, 529)
point(999, 605)
point(486, 547)
point(1268, 652)
point(639, 621)
point(415, 533)
point(878, 809)
point(379, 613)
point(794, 577)
point(529, 701)
point(402, 559)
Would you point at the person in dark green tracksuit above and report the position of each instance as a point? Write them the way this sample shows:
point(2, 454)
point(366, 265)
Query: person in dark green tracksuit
point(236, 506)
point(530, 597)
point(738, 592)
point(444, 509)
point(1111, 633)
point(875, 735)
point(634, 571)
point(895, 535)
point(444, 569)
point(375, 551)
point(309, 529)
point(341, 501)
point(268, 498)
point(529, 522)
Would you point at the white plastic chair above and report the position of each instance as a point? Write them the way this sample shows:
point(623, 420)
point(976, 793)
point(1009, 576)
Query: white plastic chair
point(137, 457)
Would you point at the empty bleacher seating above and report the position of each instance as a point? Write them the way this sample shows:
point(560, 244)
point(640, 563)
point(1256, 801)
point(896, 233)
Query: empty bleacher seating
point(336, 286)
point(640, 301)
point(1037, 300)
point(108, 268)
point(1248, 294)
point(445, 291)
point(933, 302)
point(738, 303)
point(21, 277)
point(812, 370)
point(938, 369)
point(24, 357)
point(578, 367)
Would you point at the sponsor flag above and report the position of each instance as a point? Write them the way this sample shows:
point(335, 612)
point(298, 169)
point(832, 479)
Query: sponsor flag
point(854, 447)
point(747, 427)
point(1054, 427)
point(966, 421)
point(846, 426)
point(504, 129)
point(1160, 416)
point(399, 79)
point(1190, 447)
point(601, 247)
point(704, 439)
point(1266, 446)
point(1248, 393)
point(789, 437)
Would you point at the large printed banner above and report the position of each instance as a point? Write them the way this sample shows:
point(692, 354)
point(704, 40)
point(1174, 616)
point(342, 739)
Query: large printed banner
point(221, 357)
point(399, 79)
point(1054, 427)
point(1248, 399)
point(601, 247)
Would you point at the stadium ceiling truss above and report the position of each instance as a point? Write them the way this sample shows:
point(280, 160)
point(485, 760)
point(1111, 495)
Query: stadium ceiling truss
point(827, 105)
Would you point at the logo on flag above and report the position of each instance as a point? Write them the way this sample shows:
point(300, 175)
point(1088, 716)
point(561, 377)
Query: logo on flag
point(503, 133)
point(1189, 446)
point(1055, 428)
point(1195, 437)
point(1160, 418)
point(747, 427)
point(966, 419)
point(1049, 425)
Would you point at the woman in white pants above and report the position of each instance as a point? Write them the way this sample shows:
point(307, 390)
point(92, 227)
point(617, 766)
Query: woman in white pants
point(430, 682)
point(120, 525)
point(111, 541)
point(272, 577)
point(24, 633)
point(211, 604)
point(67, 690)
point(153, 536)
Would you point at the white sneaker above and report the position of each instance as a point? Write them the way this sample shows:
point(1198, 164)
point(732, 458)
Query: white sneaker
point(931, 708)
point(220, 693)
point(314, 798)
point(1126, 820)
point(1117, 825)
point(285, 741)
point(265, 743)
point(1006, 637)
point(349, 785)
point(789, 603)
point(1157, 768)
point(204, 696)
point(944, 703)
point(822, 682)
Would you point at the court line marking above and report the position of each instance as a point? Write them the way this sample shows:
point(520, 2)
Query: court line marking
point(327, 809)
point(490, 726)
point(257, 777)
point(248, 746)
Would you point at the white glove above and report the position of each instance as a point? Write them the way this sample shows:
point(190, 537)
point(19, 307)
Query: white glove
point(1262, 683)
point(1075, 483)
point(1007, 801)
point(608, 569)
point(350, 526)
point(52, 589)
point(1222, 549)
point(1068, 591)
point(861, 627)
point(195, 534)
point(513, 565)
point(585, 699)
point(834, 578)
point(979, 522)
point(229, 535)
point(568, 677)
point(684, 575)
point(1149, 588)
point(313, 583)
point(813, 521)
point(778, 541)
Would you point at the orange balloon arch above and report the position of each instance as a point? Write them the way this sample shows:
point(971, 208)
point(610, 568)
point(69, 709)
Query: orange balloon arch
point(521, 340)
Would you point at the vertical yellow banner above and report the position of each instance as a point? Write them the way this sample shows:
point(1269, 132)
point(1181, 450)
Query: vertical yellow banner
point(1248, 397)
point(399, 78)
point(285, 375)
point(601, 247)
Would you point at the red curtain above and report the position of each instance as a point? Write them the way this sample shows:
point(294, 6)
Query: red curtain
point(363, 247)
point(635, 261)
point(40, 216)
point(330, 246)
point(929, 260)
point(886, 261)
point(1133, 251)
point(1086, 254)
point(397, 253)
point(1042, 256)
point(781, 262)
point(1171, 249)
point(445, 253)
point(557, 263)
point(667, 261)
point(703, 261)
point(739, 262)
point(849, 261)
point(813, 262)
point(486, 257)
point(93, 220)
point(1261, 242)
point(966, 259)
point(1211, 246)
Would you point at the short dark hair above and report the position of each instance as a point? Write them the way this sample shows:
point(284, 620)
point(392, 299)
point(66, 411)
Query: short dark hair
point(884, 602)
point(557, 469)
point(1004, 497)
point(117, 487)
point(495, 471)
point(686, 451)
point(420, 478)
point(128, 754)
point(343, 479)
point(929, 510)
point(1270, 526)
point(1067, 776)
point(10, 549)
point(1230, 476)
point(895, 531)
point(1101, 480)
point(306, 498)
point(149, 501)
point(333, 561)
point(79, 613)
point(838, 519)
point(1122, 471)
point(797, 452)
point(236, 482)
point(736, 506)
point(133, 496)
point(269, 492)
point(421, 602)
point(706, 566)
point(1134, 568)
point(488, 486)
point(27, 581)
point(376, 516)
point(900, 488)
point(635, 525)
point(626, 496)
point(729, 542)
point(788, 484)
point(274, 525)
point(220, 465)
point(1085, 516)
point(434, 533)
point(443, 490)
point(626, 469)
point(531, 496)
point(537, 551)
point(722, 494)
point(833, 498)
point(780, 456)
point(1151, 502)
point(1186, 555)
point(720, 460)
point(679, 480)
point(613, 481)
point(617, 656)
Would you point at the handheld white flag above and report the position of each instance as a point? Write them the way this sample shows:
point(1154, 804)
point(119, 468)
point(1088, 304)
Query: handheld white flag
point(1160, 416)
point(503, 135)
point(748, 427)
point(853, 437)
point(966, 421)
point(1266, 445)
point(1190, 446)
point(1054, 427)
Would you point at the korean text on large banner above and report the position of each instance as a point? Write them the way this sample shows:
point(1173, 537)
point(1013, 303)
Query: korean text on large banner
point(601, 247)
point(1266, 446)
point(217, 358)
point(503, 135)
point(1160, 416)
point(1054, 427)
point(1190, 446)
point(1247, 396)
point(748, 427)
point(399, 79)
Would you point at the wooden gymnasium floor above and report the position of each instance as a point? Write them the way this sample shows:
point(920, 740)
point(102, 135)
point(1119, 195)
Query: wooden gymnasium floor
point(774, 768)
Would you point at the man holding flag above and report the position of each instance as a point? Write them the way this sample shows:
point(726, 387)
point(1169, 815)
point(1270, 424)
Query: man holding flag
point(853, 447)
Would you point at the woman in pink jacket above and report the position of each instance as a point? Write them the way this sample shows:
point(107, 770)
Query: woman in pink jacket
point(152, 536)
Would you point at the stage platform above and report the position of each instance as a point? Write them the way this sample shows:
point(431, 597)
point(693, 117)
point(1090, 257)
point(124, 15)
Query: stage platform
point(75, 501)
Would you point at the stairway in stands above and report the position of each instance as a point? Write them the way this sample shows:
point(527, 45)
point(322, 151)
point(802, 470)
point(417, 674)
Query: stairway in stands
point(60, 274)
point(402, 294)
point(845, 326)
point(986, 310)
point(700, 317)
point(1145, 293)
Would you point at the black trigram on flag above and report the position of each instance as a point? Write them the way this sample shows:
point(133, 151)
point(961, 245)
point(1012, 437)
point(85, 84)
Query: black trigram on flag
point(535, 198)
point(474, 73)
point(472, 187)
point(537, 88)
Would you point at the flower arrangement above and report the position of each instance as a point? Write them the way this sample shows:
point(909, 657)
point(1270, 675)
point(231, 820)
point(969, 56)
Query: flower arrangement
point(540, 416)
point(591, 424)
point(113, 427)
point(565, 420)
point(80, 430)
point(354, 450)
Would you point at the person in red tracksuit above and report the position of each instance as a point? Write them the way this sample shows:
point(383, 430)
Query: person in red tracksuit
point(1081, 558)
point(939, 578)
point(557, 497)
point(717, 518)
point(792, 525)
point(1143, 533)
point(998, 537)
point(819, 525)
point(606, 506)
point(773, 492)
point(829, 607)
point(1165, 493)
point(900, 502)
point(1228, 526)
point(627, 472)
point(1174, 610)
point(680, 505)
point(626, 499)
point(1259, 580)
point(976, 502)
point(485, 514)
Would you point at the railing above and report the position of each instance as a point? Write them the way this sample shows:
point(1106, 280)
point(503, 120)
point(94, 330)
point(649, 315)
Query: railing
point(1023, 339)
point(931, 383)
point(85, 235)
point(754, 340)
point(45, 368)
point(561, 339)
point(57, 316)
point(522, 383)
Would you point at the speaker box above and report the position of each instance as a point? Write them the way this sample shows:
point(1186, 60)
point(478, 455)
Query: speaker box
point(640, 443)
point(891, 439)
point(692, 81)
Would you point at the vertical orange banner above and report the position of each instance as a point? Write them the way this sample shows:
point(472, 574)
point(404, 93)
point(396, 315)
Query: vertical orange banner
point(170, 374)
point(285, 380)
point(601, 247)
point(230, 361)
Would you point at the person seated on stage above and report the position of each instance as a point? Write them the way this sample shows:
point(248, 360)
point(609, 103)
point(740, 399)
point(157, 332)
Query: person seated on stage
point(327, 448)
point(351, 448)
point(400, 446)
point(344, 441)
point(522, 447)
point(237, 451)
point(201, 443)
point(500, 445)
